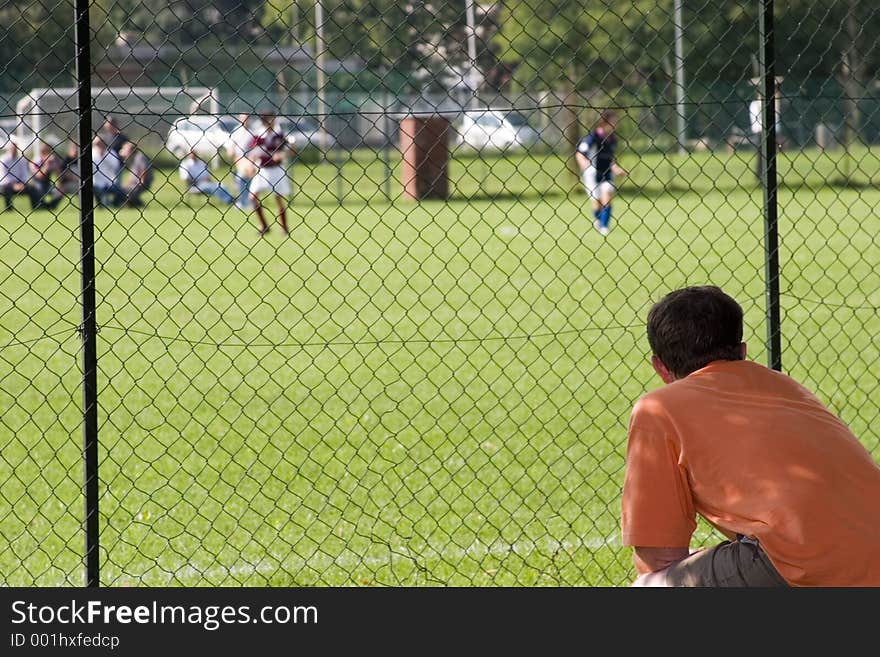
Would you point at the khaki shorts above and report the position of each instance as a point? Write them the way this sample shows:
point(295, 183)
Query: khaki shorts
point(729, 564)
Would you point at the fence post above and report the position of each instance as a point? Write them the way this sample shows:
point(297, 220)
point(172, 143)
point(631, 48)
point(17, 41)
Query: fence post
point(88, 329)
point(386, 131)
point(769, 183)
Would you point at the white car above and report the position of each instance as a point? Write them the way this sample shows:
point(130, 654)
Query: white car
point(207, 135)
point(495, 130)
point(307, 132)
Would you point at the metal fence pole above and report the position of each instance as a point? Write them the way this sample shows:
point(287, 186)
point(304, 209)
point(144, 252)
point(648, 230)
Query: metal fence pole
point(769, 183)
point(88, 329)
point(386, 130)
point(473, 81)
point(681, 130)
point(321, 78)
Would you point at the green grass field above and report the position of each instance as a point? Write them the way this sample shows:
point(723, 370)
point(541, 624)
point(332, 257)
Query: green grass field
point(399, 393)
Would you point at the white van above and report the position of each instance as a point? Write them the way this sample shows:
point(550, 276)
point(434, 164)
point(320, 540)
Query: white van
point(206, 134)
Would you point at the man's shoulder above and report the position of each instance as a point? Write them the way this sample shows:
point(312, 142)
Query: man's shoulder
point(676, 395)
point(721, 377)
point(661, 408)
point(653, 402)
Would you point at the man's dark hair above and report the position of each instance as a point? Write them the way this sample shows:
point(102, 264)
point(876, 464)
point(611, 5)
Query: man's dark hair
point(691, 327)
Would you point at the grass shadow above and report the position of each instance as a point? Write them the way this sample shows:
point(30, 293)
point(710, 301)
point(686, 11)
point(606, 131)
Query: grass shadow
point(529, 195)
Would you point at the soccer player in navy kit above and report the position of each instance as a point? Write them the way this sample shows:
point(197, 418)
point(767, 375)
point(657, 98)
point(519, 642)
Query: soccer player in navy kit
point(595, 158)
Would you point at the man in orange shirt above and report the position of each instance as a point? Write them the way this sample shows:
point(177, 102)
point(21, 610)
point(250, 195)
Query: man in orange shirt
point(750, 450)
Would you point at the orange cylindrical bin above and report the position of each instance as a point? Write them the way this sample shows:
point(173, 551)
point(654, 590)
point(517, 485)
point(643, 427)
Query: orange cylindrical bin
point(424, 150)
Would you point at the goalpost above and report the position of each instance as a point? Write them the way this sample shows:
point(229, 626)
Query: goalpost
point(144, 113)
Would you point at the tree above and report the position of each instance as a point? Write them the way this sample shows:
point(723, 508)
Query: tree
point(421, 38)
point(37, 41)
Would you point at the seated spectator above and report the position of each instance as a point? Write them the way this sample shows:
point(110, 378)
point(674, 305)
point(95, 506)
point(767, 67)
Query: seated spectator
point(68, 178)
point(15, 177)
point(44, 175)
point(106, 167)
point(113, 135)
point(140, 174)
point(194, 172)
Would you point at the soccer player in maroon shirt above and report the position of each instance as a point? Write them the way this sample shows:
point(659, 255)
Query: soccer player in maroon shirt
point(268, 150)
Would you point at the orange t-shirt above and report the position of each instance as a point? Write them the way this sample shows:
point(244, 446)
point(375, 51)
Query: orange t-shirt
point(754, 453)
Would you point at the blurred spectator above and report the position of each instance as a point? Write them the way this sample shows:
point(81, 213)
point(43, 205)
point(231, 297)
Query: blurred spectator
point(194, 172)
point(44, 177)
point(15, 177)
point(106, 167)
point(68, 178)
point(140, 174)
point(113, 135)
point(244, 169)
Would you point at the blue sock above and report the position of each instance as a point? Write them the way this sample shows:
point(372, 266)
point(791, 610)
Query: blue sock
point(596, 213)
point(605, 215)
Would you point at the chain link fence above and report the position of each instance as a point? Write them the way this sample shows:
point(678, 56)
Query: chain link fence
point(400, 352)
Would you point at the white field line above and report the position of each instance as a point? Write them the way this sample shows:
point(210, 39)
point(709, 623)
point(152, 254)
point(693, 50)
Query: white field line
point(191, 575)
